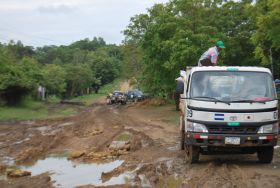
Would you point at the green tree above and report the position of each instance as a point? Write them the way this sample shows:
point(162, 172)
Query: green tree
point(174, 35)
point(17, 79)
point(54, 79)
point(235, 22)
point(266, 38)
point(89, 45)
point(132, 60)
point(18, 50)
point(105, 68)
point(78, 78)
point(64, 70)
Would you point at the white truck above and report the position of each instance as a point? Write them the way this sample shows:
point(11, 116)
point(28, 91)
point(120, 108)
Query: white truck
point(228, 110)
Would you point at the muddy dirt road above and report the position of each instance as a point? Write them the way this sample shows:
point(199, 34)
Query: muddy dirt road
point(136, 145)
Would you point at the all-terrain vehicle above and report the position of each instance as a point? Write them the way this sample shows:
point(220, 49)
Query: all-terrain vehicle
point(116, 97)
point(228, 110)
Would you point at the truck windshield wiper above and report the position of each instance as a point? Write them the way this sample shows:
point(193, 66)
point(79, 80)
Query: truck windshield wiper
point(213, 99)
point(247, 101)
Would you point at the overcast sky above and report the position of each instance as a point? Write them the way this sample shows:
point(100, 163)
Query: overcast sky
point(57, 22)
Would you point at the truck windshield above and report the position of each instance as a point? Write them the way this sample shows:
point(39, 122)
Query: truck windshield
point(232, 86)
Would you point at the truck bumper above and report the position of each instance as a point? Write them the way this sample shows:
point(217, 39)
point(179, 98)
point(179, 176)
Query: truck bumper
point(219, 140)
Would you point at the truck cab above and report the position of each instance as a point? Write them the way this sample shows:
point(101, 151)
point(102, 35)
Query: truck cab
point(228, 110)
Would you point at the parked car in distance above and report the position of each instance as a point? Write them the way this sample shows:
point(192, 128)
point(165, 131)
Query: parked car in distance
point(116, 97)
point(135, 95)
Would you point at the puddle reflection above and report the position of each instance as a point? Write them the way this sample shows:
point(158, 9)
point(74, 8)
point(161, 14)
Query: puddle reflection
point(67, 173)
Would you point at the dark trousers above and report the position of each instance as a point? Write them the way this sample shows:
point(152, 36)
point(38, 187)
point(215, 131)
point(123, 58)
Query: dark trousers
point(206, 62)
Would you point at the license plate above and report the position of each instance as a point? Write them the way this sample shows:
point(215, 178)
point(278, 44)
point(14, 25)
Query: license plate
point(232, 140)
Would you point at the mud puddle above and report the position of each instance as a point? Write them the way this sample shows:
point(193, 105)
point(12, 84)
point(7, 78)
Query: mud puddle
point(67, 173)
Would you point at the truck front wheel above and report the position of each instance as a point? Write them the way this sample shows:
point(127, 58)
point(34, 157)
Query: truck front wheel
point(192, 154)
point(265, 154)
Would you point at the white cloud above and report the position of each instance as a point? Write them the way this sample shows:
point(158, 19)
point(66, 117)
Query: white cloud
point(45, 22)
point(58, 9)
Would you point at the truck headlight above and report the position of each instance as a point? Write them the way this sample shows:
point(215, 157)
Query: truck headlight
point(271, 128)
point(196, 127)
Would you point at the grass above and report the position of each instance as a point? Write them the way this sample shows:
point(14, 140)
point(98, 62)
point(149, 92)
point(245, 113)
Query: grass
point(123, 137)
point(87, 99)
point(53, 99)
point(168, 112)
point(27, 110)
point(32, 110)
point(170, 181)
point(110, 87)
point(62, 112)
point(103, 91)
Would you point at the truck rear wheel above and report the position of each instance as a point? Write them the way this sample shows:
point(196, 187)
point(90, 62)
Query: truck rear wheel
point(265, 154)
point(192, 154)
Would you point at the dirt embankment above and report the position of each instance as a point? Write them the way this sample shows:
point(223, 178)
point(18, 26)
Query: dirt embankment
point(150, 151)
point(125, 86)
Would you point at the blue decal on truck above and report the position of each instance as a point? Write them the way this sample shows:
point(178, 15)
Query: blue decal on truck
point(219, 117)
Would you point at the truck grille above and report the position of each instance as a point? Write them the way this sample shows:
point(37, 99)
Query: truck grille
point(232, 130)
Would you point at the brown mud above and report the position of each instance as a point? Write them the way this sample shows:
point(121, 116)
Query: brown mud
point(149, 146)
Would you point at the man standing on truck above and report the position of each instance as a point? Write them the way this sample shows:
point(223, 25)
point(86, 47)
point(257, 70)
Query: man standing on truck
point(210, 57)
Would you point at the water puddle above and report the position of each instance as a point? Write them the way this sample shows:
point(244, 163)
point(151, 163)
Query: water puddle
point(276, 147)
point(66, 124)
point(43, 129)
point(47, 130)
point(6, 161)
point(67, 173)
point(164, 159)
point(174, 148)
point(2, 177)
point(144, 181)
point(9, 161)
point(28, 122)
point(21, 141)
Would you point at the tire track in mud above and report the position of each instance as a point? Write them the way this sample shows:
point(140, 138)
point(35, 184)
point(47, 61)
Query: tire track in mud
point(214, 175)
point(160, 161)
point(154, 147)
point(160, 132)
point(227, 174)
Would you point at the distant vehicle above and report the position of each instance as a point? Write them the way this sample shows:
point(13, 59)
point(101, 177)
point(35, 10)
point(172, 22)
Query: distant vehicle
point(116, 97)
point(135, 95)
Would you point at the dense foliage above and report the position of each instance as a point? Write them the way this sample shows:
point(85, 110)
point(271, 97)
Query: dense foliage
point(172, 36)
point(64, 71)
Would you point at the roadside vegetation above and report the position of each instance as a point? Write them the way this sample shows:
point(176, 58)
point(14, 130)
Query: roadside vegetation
point(172, 36)
point(103, 91)
point(30, 109)
point(62, 71)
